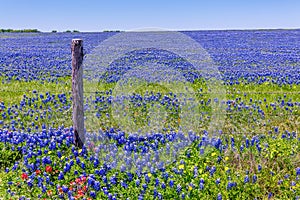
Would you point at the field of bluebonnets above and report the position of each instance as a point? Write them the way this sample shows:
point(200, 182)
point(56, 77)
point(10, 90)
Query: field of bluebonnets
point(254, 155)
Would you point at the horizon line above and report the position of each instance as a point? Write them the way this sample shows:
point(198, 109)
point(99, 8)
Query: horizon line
point(154, 30)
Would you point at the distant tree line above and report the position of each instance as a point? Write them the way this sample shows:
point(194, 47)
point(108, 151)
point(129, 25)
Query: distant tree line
point(19, 31)
point(67, 31)
point(117, 31)
point(37, 31)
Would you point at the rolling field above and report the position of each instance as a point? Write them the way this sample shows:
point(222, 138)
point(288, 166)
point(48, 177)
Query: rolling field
point(239, 141)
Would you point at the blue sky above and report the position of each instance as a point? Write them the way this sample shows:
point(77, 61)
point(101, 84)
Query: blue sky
point(98, 15)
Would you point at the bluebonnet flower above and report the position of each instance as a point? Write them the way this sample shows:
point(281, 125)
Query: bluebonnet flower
point(258, 147)
point(201, 186)
point(65, 189)
point(30, 183)
point(48, 180)
point(286, 176)
point(59, 154)
point(270, 195)
point(83, 165)
point(78, 160)
point(157, 182)
point(105, 191)
point(155, 193)
point(259, 168)
point(93, 194)
point(298, 171)
point(293, 183)
point(231, 185)
point(44, 189)
point(166, 175)
point(246, 179)
point(242, 148)
point(124, 184)
point(144, 186)
point(104, 179)
point(60, 176)
point(140, 197)
point(219, 197)
point(201, 151)
point(179, 188)
point(102, 171)
point(130, 176)
point(219, 159)
point(212, 170)
point(201, 180)
point(147, 178)
point(96, 163)
point(207, 168)
point(90, 181)
point(254, 178)
point(163, 185)
point(171, 183)
point(195, 171)
point(232, 142)
point(182, 196)
point(137, 182)
point(96, 185)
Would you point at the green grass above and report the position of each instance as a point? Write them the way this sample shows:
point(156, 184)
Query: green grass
point(12, 93)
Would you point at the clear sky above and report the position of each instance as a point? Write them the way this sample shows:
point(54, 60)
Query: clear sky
point(99, 15)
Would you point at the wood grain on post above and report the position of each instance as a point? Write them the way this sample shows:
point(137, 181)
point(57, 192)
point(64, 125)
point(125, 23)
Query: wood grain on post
point(77, 92)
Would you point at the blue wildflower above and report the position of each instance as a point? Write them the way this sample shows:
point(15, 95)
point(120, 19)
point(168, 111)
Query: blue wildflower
point(254, 178)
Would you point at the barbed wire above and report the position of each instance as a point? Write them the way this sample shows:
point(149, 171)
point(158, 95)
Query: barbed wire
point(223, 133)
point(199, 93)
point(228, 113)
point(31, 70)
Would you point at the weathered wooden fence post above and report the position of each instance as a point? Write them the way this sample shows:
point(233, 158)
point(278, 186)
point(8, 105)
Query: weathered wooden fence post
point(77, 92)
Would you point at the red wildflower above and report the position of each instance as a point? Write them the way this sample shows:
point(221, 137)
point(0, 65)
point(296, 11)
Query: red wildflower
point(37, 172)
point(77, 180)
point(80, 193)
point(48, 169)
point(24, 176)
point(84, 188)
point(49, 192)
point(72, 183)
point(60, 190)
point(83, 179)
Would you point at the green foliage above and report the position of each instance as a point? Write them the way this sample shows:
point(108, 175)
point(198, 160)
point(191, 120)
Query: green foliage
point(8, 156)
point(19, 31)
